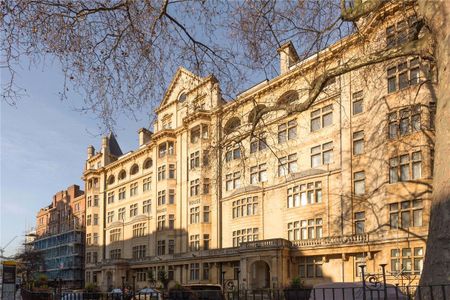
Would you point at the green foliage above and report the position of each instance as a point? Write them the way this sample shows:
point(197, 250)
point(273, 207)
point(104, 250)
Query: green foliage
point(91, 288)
point(296, 283)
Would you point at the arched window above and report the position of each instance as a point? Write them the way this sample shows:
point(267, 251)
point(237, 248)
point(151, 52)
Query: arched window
point(122, 175)
point(254, 112)
point(288, 97)
point(231, 125)
point(182, 97)
point(134, 169)
point(148, 163)
point(111, 179)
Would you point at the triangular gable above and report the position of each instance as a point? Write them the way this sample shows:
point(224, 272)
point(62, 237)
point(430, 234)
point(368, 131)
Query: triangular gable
point(181, 72)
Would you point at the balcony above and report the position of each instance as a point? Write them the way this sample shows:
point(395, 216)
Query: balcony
point(271, 243)
point(332, 241)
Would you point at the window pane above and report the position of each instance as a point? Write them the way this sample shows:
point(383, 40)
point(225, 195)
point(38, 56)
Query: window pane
point(403, 80)
point(404, 172)
point(327, 157)
point(357, 107)
point(392, 82)
point(315, 124)
point(414, 73)
point(417, 217)
point(327, 119)
point(315, 160)
point(417, 170)
point(394, 220)
point(358, 147)
point(406, 218)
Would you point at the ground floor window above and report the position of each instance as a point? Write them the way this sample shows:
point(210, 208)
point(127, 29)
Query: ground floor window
point(310, 267)
point(407, 260)
point(194, 271)
point(141, 275)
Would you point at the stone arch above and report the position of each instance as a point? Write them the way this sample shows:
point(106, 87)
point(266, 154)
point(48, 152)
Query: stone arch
point(148, 163)
point(232, 124)
point(254, 112)
point(122, 175)
point(134, 169)
point(259, 275)
point(288, 97)
point(111, 179)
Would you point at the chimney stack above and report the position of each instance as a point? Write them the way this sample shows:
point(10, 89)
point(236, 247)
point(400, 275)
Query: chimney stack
point(288, 56)
point(144, 136)
point(90, 151)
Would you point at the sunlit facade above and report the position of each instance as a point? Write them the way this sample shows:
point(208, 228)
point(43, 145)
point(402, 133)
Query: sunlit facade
point(313, 194)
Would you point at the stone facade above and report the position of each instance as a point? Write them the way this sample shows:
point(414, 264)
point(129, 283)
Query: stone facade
point(311, 194)
point(60, 237)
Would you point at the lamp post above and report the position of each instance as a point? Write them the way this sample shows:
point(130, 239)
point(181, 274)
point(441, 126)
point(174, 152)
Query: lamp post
point(123, 284)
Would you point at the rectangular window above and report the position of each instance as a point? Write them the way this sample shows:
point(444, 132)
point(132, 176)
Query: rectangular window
point(287, 131)
point(96, 200)
point(114, 235)
point(171, 171)
point(147, 184)
point(245, 235)
point(287, 164)
point(310, 267)
point(95, 219)
point(139, 251)
point(195, 187)
point(122, 193)
point(133, 189)
point(360, 222)
point(110, 217)
point(245, 207)
point(233, 153)
point(121, 214)
point(171, 246)
point(357, 102)
point(139, 229)
point(406, 261)
point(171, 196)
point(403, 75)
point(195, 134)
point(322, 154)
point(205, 186)
point(110, 197)
point(194, 271)
point(306, 229)
point(147, 207)
point(303, 194)
point(258, 143)
point(405, 167)
point(195, 160)
point(359, 183)
point(161, 247)
point(194, 215)
point(205, 214)
point(161, 172)
point(358, 142)
point(161, 197)
point(232, 181)
point(161, 224)
point(399, 33)
point(205, 272)
point(206, 241)
point(115, 253)
point(95, 238)
point(88, 220)
point(258, 174)
point(171, 222)
point(133, 210)
point(406, 214)
point(194, 242)
point(321, 118)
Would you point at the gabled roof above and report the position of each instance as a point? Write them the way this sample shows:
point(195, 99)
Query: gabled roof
point(114, 147)
point(176, 78)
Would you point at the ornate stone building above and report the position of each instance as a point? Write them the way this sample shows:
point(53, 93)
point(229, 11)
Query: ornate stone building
point(312, 194)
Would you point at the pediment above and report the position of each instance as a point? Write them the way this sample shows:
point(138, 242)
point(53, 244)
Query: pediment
point(183, 80)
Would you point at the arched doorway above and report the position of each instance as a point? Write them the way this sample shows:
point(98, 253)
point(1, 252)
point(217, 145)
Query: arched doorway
point(260, 275)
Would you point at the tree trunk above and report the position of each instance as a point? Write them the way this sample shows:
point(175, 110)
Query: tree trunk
point(436, 268)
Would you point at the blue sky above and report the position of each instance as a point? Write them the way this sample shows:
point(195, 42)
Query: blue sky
point(43, 148)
